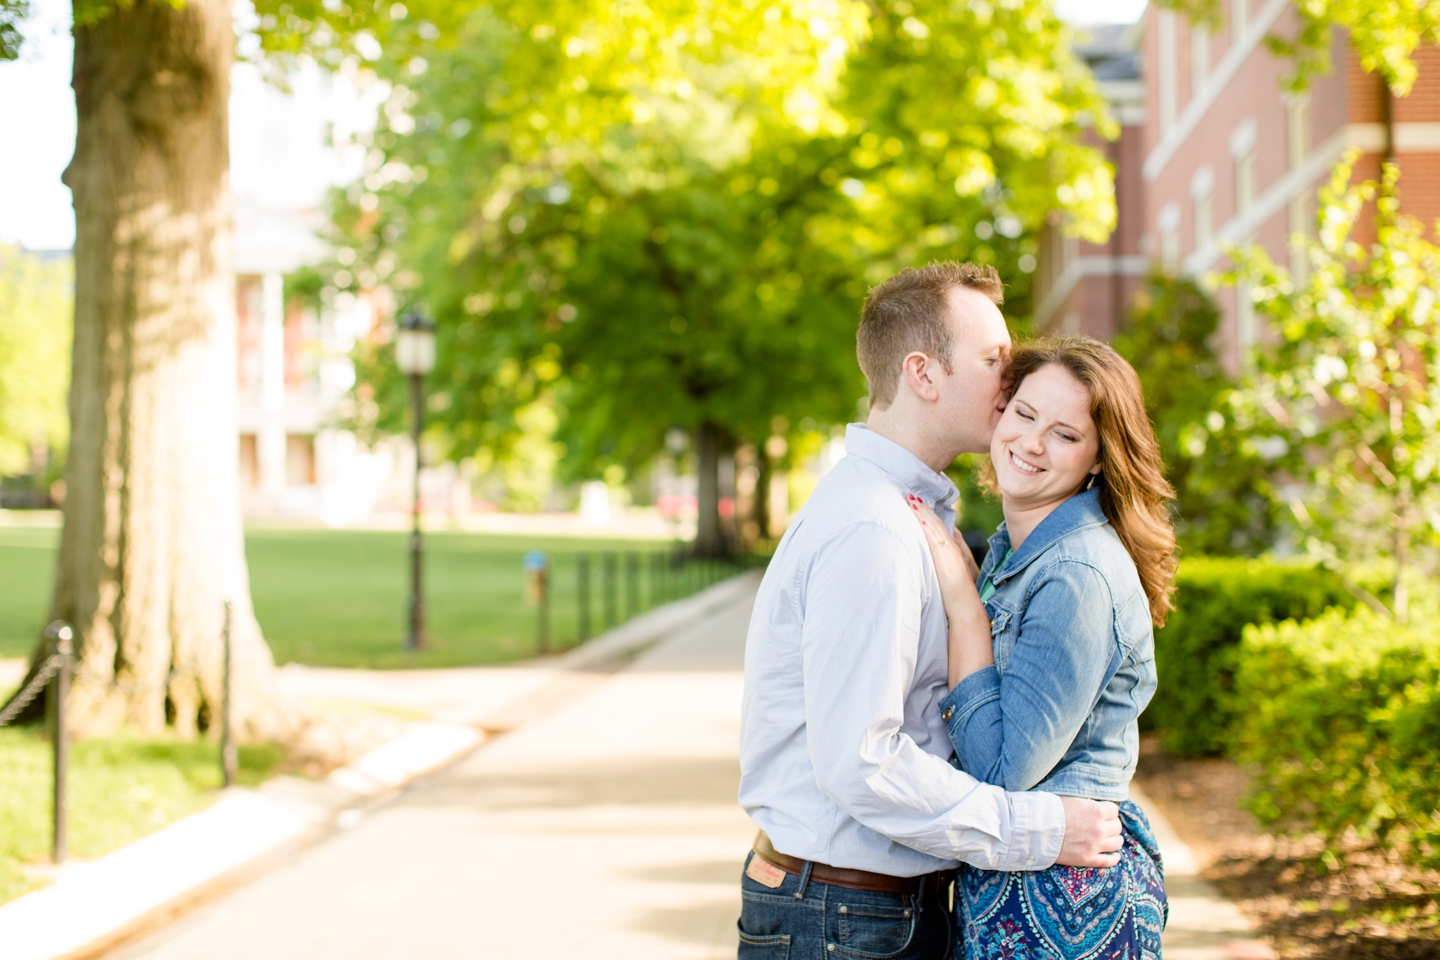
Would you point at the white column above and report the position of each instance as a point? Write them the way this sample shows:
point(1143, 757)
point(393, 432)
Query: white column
point(270, 442)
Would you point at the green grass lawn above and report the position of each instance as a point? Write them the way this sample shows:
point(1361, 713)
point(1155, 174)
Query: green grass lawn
point(27, 569)
point(337, 597)
point(119, 789)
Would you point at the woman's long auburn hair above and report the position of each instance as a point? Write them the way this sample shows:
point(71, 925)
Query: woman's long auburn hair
point(1133, 488)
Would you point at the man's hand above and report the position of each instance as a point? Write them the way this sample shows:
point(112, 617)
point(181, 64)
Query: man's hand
point(1092, 833)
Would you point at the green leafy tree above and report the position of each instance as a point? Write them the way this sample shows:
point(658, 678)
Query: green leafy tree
point(152, 544)
point(1342, 401)
point(708, 274)
point(1222, 504)
point(35, 324)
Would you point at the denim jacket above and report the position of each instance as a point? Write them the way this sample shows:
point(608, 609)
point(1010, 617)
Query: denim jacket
point(1074, 662)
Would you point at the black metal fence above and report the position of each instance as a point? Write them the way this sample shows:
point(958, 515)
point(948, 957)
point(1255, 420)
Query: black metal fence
point(584, 593)
point(52, 677)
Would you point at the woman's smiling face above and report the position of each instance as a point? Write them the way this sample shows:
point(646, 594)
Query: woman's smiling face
point(1046, 445)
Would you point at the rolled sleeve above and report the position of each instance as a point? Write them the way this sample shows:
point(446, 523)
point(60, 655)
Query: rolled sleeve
point(975, 733)
point(859, 649)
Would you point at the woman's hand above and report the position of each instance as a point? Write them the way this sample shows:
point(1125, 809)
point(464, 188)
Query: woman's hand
point(954, 563)
point(969, 644)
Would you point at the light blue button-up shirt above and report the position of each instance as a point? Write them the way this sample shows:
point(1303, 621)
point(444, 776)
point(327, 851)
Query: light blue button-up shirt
point(843, 755)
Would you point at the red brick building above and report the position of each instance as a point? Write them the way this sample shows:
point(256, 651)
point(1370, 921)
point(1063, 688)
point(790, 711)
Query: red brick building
point(1225, 154)
point(1086, 287)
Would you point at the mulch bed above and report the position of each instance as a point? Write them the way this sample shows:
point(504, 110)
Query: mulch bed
point(1372, 906)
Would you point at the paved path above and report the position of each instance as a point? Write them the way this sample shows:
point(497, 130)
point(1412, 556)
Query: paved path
point(630, 787)
point(629, 783)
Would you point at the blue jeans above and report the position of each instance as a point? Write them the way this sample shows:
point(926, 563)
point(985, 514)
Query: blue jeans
point(805, 920)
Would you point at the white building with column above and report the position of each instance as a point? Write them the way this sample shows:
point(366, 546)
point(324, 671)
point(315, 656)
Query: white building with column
point(294, 370)
point(294, 374)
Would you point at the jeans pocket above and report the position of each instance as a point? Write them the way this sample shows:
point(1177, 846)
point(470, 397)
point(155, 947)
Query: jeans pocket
point(774, 947)
point(870, 931)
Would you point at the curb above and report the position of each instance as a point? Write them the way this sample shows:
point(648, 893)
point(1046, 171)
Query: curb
point(619, 645)
point(96, 906)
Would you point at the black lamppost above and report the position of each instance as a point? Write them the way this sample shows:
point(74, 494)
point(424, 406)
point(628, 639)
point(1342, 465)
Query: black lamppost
point(415, 356)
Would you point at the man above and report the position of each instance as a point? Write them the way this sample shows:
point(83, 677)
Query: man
point(843, 752)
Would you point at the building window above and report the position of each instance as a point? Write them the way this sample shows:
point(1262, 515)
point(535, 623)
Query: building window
point(1199, 59)
point(1245, 182)
point(1202, 189)
point(1169, 224)
point(1242, 151)
point(1299, 229)
point(249, 463)
point(299, 460)
point(1297, 130)
point(1239, 20)
point(1165, 28)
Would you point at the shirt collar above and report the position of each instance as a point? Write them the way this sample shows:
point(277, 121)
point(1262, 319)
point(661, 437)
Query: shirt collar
point(907, 469)
point(1080, 511)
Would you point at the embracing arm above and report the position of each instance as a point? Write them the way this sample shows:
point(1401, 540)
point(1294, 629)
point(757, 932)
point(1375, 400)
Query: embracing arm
point(970, 648)
point(1012, 730)
point(859, 652)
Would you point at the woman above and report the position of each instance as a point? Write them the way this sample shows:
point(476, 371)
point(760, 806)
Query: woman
point(1052, 653)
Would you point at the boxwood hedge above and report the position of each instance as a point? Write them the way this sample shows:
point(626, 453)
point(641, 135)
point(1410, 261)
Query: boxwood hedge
point(1196, 706)
point(1341, 721)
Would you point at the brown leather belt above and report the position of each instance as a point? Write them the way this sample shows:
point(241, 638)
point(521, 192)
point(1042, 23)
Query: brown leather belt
point(844, 876)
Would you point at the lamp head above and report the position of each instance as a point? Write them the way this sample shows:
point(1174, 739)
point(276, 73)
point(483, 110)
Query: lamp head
point(415, 344)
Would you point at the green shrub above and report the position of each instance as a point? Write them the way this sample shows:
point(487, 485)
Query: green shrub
point(1195, 705)
point(1342, 722)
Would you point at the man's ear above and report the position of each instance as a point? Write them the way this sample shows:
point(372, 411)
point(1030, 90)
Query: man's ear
point(918, 369)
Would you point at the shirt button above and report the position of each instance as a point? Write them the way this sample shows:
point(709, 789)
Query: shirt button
point(829, 946)
point(947, 713)
point(1030, 862)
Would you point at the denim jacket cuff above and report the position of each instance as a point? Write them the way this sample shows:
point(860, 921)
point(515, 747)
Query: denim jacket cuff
point(967, 696)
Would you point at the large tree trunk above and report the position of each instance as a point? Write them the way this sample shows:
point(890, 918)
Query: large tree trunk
point(152, 544)
point(708, 542)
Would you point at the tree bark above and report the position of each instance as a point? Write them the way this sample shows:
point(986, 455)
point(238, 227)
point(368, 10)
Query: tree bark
point(708, 542)
point(760, 511)
point(152, 545)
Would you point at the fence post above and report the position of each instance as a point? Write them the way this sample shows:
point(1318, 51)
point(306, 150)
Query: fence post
point(229, 755)
point(537, 570)
point(543, 626)
point(61, 633)
point(632, 577)
point(582, 593)
point(608, 587)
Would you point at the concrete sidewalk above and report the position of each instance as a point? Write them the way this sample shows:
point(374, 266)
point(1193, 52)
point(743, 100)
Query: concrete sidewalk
point(629, 786)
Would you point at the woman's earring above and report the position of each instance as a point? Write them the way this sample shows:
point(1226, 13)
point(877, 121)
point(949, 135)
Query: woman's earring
point(1091, 482)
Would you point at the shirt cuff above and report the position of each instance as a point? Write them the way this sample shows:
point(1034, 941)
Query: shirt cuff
point(1037, 824)
point(967, 696)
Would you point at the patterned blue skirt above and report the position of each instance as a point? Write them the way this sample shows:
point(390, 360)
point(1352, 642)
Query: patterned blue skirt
point(1069, 913)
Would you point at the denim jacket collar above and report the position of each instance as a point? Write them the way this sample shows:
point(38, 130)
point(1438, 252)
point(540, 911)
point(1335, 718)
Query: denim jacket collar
point(1077, 513)
point(907, 469)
